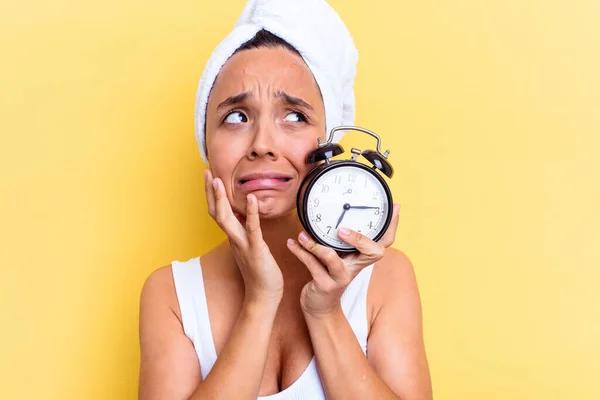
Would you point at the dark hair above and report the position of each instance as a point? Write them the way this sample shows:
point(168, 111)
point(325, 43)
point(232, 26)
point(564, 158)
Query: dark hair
point(264, 38)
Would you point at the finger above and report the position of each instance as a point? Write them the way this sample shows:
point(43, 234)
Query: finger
point(335, 265)
point(240, 218)
point(224, 214)
point(317, 270)
point(253, 230)
point(367, 247)
point(210, 192)
point(390, 235)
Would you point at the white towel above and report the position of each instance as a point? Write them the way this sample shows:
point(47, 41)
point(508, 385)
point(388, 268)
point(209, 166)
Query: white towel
point(319, 35)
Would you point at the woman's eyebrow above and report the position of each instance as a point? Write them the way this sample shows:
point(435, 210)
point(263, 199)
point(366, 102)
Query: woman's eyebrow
point(238, 98)
point(295, 101)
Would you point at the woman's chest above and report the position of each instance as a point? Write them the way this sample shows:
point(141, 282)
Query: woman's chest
point(289, 352)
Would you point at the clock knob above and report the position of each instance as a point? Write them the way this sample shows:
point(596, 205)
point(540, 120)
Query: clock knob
point(324, 152)
point(378, 160)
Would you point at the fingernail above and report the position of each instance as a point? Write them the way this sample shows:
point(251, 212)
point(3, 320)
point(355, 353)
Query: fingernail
point(303, 237)
point(250, 199)
point(290, 242)
point(215, 184)
point(205, 174)
point(344, 231)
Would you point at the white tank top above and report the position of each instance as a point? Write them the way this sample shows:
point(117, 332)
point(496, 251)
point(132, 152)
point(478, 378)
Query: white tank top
point(189, 285)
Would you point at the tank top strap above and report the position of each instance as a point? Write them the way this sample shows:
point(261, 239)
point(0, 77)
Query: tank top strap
point(354, 305)
point(191, 295)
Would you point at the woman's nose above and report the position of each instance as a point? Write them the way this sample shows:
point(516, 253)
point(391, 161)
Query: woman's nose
point(264, 144)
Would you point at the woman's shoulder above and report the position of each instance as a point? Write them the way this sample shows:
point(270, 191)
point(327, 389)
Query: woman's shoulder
point(393, 276)
point(158, 290)
point(393, 266)
point(159, 287)
point(161, 279)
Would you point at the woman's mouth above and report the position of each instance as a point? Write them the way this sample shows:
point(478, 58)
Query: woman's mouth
point(264, 181)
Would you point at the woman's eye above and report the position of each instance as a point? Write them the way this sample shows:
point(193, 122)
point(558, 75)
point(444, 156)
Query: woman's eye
point(236, 117)
point(295, 116)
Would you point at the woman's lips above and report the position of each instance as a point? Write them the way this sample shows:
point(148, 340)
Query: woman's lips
point(265, 183)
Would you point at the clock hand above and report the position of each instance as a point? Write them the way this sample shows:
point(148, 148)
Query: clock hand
point(346, 208)
point(363, 207)
point(340, 220)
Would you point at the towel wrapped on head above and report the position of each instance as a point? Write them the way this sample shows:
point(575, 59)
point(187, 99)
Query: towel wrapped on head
point(316, 31)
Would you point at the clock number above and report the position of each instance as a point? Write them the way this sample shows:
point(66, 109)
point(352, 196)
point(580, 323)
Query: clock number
point(316, 202)
point(318, 217)
point(377, 211)
point(370, 225)
point(328, 229)
point(338, 179)
point(375, 195)
point(352, 178)
point(365, 183)
point(325, 189)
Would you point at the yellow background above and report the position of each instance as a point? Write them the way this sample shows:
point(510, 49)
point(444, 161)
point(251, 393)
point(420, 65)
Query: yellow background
point(491, 109)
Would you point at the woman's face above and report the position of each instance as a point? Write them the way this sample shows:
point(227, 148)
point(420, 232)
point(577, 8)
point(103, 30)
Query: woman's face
point(264, 115)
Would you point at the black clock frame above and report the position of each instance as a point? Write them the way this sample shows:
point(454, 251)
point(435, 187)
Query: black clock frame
point(309, 182)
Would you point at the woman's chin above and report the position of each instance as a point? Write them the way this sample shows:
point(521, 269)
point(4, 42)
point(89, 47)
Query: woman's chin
point(271, 210)
point(274, 215)
point(269, 207)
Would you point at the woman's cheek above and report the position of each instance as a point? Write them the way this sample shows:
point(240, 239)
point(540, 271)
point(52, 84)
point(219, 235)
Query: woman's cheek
point(299, 157)
point(307, 145)
point(227, 144)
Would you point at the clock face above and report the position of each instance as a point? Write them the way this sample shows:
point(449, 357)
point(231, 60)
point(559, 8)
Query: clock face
point(347, 196)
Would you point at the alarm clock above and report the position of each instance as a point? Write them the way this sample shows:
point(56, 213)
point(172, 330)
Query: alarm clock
point(345, 193)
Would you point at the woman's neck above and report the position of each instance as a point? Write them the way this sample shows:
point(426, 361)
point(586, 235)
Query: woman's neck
point(276, 232)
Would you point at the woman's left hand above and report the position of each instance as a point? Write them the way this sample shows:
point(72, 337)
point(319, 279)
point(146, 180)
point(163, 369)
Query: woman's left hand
point(331, 273)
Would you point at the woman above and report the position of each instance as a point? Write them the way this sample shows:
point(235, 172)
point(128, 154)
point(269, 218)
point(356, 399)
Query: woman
point(269, 312)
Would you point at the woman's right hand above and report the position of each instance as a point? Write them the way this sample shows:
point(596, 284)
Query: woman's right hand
point(262, 277)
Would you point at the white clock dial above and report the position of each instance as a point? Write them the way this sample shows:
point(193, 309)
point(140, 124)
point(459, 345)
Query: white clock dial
point(348, 197)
